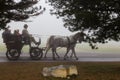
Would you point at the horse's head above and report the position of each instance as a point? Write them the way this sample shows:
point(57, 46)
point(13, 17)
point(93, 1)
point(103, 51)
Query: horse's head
point(80, 36)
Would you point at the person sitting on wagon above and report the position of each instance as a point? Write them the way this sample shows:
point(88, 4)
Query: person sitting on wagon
point(16, 32)
point(17, 36)
point(6, 35)
point(26, 36)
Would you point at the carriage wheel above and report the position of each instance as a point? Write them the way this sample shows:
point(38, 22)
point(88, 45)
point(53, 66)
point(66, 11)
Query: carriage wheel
point(36, 53)
point(12, 54)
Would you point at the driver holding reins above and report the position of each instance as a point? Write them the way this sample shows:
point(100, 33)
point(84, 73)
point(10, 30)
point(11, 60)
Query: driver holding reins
point(27, 36)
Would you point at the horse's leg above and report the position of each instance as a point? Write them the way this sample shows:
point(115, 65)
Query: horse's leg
point(53, 52)
point(72, 48)
point(68, 49)
point(71, 55)
point(57, 54)
point(73, 52)
point(47, 49)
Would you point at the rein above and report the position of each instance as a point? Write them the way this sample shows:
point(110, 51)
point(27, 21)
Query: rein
point(69, 42)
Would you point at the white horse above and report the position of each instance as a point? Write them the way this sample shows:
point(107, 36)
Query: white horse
point(64, 41)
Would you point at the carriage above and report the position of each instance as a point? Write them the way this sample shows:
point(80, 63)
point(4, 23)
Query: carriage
point(14, 45)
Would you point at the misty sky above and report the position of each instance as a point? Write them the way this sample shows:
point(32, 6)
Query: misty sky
point(44, 24)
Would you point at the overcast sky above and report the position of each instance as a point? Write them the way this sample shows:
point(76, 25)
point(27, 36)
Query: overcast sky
point(44, 24)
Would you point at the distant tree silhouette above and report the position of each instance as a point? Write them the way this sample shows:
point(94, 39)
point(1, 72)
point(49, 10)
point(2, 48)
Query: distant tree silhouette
point(100, 19)
point(17, 10)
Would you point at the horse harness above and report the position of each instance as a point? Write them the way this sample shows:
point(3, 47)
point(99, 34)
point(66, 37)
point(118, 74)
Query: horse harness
point(69, 42)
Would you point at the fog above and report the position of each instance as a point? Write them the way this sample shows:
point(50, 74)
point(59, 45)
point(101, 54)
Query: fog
point(46, 25)
point(43, 25)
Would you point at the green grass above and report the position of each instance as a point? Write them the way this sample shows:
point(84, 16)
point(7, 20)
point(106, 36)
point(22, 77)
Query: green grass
point(102, 48)
point(84, 47)
point(87, 70)
point(3, 48)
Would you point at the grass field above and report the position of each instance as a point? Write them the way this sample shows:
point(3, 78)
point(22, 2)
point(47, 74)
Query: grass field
point(103, 48)
point(87, 70)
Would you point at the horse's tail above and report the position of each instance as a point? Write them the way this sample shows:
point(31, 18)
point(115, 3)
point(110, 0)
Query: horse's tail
point(50, 41)
point(49, 44)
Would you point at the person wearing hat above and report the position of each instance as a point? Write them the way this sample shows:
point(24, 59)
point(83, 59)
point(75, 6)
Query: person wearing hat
point(25, 32)
point(27, 37)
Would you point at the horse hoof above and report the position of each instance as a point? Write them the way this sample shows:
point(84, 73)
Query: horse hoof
point(64, 58)
point(76, 58)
